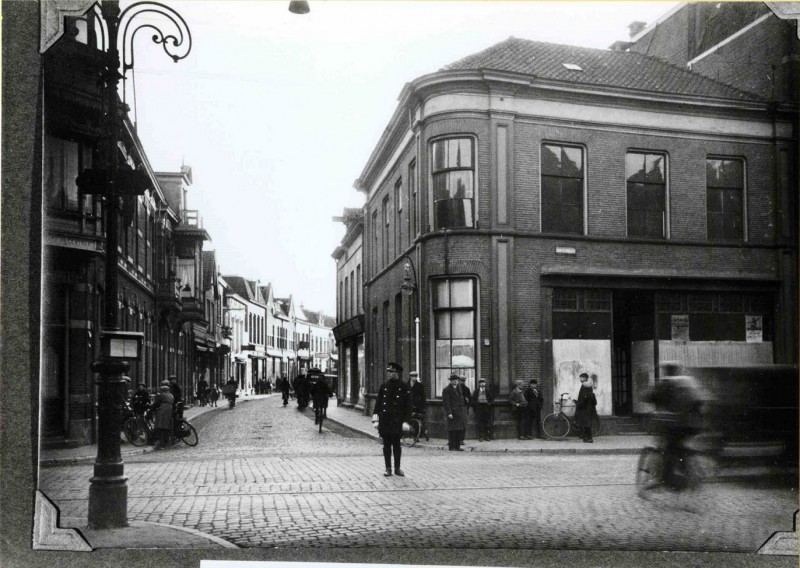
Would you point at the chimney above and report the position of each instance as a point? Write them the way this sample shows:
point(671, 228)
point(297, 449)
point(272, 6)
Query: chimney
point(635, 27)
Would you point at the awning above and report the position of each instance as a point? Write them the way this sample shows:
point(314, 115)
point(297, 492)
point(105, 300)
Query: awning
point(303, 354)
point(273, 352)
point(257, 356)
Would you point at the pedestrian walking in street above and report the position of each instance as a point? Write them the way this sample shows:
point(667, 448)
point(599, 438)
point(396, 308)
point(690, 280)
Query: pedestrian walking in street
point(392, 415)
point(585, 409)
point(418, 402)
point(285, 388)
point(533, 396)
point(214, 395)
point(162, 411)
point(519, 409)
point(467, 394)
point(320, 395)
point(455, 410)
point(202, 392)
point(481, 403)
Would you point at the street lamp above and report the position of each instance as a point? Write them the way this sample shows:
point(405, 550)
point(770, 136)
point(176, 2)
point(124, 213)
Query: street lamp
point(409, 286)
point(108, 490)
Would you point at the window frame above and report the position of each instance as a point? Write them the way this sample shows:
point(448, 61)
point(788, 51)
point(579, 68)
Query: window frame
point(433, 172)
point(742, 238)
point(665, 214)
point(584, 186)
point(441, 372)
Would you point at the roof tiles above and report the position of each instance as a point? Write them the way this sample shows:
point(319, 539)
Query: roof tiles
point(616, 69)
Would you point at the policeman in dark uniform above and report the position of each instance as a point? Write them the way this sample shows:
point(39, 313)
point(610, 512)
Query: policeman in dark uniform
point(392, 414)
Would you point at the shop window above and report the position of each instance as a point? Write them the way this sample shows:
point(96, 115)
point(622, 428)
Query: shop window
point(453, 176)
point(725, 199)
point(647, 192)
point(562, 189)
point(455, 330)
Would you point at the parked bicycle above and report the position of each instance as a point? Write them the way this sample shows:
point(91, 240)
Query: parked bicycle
point(415, 430)
point(182, 429)
point(138, 429)
point(558, 425)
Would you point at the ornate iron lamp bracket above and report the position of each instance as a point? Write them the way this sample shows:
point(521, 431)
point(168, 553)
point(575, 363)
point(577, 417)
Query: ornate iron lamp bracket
point(177, 41)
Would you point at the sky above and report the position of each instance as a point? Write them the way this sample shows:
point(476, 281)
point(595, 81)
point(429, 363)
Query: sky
point(278, 113)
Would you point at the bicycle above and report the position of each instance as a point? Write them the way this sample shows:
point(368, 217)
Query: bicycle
point(138, 430)
point(182, 429)
point(412, 434)
point(319, 415)
point(697, 462)
point(558, 425)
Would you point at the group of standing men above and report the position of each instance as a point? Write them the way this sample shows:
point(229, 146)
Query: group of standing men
point(457, 399)
point(526, 408)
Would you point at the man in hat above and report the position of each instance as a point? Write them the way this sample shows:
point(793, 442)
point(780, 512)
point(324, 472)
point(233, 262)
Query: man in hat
point(482, 400)
point(533, 396)
point(418, 400)
point(392, 414)
point(455, 410)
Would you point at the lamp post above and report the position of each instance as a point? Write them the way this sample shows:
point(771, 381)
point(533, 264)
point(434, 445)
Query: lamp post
point(409, 286)
point(108, 491)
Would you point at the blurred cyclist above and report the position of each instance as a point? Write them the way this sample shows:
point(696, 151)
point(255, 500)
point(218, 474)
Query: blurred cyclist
point(679, 401)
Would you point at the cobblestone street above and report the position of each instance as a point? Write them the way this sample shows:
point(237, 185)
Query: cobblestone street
point(263, 476)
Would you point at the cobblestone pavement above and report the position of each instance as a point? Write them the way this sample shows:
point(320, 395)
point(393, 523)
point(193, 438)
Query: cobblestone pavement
point(263, 476)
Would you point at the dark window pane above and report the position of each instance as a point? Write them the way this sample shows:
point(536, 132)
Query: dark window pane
point(733, 201)
point(572, 191)
point(571, 220)
point(551, 190)
point(731, 174)
point(440, 187)
point(714, 201)
point(715, 225)
point(635, 224)
point(439, 155)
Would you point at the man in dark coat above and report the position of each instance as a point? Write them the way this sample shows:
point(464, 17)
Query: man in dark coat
point(320, 394)
point(467, 394)
point(481, 402)
point(392, 413)
point(285, 388)
point(175, 391)
point(456, 412)
point(533, 396)
point(585, 408)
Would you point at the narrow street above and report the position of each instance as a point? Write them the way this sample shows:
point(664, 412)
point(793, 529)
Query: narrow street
point(262, 476)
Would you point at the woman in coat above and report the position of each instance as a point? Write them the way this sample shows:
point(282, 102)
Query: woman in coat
point(456, 412)
point(585, 409)
point(162, 410)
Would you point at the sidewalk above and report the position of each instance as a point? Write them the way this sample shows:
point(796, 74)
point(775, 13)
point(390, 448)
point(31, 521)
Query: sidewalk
point(356, 421)
point(87, 454)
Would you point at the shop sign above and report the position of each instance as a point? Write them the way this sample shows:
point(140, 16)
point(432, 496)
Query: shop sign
point(680, 327)
point(754, 328)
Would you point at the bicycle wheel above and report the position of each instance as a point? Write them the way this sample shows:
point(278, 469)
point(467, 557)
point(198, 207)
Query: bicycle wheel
point(186, 433)
point(555, 426)
point(135, 431)
point(412, 436)
point(648, 470)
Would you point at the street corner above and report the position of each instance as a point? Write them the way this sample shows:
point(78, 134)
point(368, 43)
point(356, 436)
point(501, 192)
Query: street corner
point(142, 534)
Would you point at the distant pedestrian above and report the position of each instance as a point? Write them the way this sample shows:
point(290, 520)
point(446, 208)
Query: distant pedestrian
point(418, 401)
point(392, 415)
point(533, 396)
point(285, 388)
point(214, 394)
point(481, 403)
point(320, 395)
point(162, 411)
point(585, 409)
point(455, 410)
point(519, 409)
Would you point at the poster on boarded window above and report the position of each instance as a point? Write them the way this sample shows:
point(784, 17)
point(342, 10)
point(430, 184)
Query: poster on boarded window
point(754, 329)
